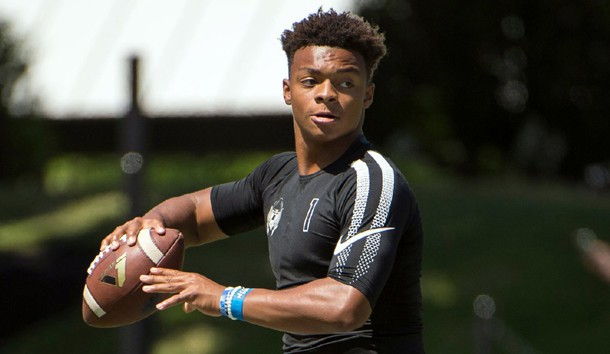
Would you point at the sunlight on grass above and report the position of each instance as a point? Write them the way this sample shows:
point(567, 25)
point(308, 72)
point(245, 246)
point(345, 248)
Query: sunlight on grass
point(195, 340)
point(78, 172)
point(438, 289)
point(68, 220)
point(190, 170)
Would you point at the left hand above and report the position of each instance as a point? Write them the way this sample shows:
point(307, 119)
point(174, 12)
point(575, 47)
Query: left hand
point(193, 290)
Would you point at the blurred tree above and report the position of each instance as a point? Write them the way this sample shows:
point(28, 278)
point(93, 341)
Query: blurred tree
point(483, 86)
point(24, 137)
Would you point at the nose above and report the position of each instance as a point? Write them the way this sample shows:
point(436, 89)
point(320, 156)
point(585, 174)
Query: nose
point(326, 92)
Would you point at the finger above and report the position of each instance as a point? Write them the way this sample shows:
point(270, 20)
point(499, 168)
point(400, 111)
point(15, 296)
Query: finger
point(113, 241)
point(133, 227)
point(112, 237)
point(188, 307)
point(154, 224)
point(162, 284)
point(138, 224)
point(165, 271)
point(163, 288)
point(105, 243)
point(160, 229)
point(172, 301)
point(162, 276)
point(148, 279)
point(116, 242)
point(157, 279)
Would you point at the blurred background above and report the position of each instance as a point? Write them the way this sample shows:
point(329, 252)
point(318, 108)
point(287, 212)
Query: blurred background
point(497, 112)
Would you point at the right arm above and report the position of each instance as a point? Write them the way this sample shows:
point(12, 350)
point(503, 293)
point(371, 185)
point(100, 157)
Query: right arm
point(190, 213)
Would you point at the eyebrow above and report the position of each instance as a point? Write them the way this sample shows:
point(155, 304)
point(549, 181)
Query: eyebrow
point(348, 69)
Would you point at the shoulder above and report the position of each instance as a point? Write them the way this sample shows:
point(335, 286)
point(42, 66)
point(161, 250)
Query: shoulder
point(389, 175)
point(283, 157)
point(375, 159)
point(375, 173)
point(373, 164)
point(285, 161)
point(277, 166)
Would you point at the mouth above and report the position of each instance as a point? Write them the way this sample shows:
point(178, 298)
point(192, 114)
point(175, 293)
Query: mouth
point(324, 117)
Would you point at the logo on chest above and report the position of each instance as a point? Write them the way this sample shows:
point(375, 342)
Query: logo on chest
point(274, 216)
point(312, 208)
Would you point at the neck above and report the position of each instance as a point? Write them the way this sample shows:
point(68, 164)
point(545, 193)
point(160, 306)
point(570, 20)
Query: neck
point(314, 156)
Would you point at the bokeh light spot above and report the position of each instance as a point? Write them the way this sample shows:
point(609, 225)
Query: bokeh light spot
point(132, 162)
point(513, 27)
point(597, 176)
point(585, 238)
point(512, 96)
point(484, 306)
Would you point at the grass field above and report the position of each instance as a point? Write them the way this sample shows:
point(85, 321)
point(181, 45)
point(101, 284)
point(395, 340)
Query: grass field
point(507, 239)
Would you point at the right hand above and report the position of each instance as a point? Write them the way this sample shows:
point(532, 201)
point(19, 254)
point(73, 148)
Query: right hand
point(131, 228)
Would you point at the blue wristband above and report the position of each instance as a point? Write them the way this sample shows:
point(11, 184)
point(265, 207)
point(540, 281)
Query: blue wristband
point(237, 303)
point(229, 301)
point(224, 305)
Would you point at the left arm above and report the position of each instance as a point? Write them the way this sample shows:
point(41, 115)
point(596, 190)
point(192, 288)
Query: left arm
point(321, 306)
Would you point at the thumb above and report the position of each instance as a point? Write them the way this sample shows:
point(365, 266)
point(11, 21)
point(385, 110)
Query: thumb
point(188, 307)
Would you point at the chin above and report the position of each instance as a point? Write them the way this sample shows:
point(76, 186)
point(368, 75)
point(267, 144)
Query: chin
point(330, 137)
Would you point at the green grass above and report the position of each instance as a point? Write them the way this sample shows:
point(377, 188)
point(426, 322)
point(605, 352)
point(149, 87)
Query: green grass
point(509, 239)
point(516, 245)
point(68, 220)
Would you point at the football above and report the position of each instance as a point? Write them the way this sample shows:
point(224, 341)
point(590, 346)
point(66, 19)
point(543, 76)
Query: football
point(113, 293)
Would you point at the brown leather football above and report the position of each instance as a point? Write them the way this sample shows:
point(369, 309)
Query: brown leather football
point(113, 293)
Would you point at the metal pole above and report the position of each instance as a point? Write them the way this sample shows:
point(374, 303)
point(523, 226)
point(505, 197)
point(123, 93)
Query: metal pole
point(133, 338)
point(483, 336)
point(133, 138)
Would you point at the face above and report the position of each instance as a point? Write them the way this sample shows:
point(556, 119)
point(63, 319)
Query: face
point(329, 92)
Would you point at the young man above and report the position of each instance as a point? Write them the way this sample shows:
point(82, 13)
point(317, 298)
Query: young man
point(344, 230)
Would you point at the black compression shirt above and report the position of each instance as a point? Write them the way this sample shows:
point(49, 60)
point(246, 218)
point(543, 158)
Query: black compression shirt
point(355, 221)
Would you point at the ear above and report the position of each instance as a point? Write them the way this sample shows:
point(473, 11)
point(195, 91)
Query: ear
point(368, 95)
point(287, 93)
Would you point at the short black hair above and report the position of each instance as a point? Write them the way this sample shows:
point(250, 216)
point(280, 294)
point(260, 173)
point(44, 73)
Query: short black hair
point(342, 30)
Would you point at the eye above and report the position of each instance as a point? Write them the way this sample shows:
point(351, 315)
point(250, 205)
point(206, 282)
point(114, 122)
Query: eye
point(346, 84)
point(308, 82)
